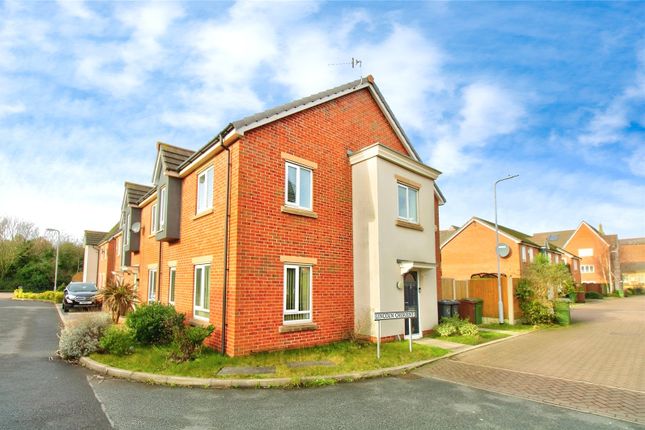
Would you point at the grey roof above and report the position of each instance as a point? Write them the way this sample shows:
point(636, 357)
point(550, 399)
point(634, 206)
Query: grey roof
point(557, 238)
point(522, 237)
point(633, 241)
point(445, 235)
point(246, 121)
point(635, 267)
point(110, 234)
point(92, 238)
point(173, 156)
point(135, 192)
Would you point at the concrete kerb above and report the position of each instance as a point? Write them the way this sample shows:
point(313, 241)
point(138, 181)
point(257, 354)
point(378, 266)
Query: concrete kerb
point(185, 381)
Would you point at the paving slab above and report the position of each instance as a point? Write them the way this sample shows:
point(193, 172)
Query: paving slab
point(301, 364)
point(596, 365)
point(452, 346)
point(229, 370)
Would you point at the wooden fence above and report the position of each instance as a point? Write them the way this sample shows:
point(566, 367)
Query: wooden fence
point(485, 289)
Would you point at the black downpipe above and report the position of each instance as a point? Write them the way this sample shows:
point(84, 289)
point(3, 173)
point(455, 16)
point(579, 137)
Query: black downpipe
point(226, 223)
point(158, 298)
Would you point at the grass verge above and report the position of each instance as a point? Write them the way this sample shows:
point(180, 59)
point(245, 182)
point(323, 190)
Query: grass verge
point(509, 327)
point(347, 356)
point(482, 337)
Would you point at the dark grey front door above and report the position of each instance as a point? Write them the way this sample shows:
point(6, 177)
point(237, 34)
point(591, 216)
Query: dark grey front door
point(411, 299)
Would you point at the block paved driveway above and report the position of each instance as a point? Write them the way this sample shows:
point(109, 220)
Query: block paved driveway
point(596, 365)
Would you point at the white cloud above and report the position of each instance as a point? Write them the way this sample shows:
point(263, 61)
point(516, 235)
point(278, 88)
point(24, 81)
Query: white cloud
point(10, 109)
point(636, 162)
point(76, 9)
point(488, 111)
point(121, 68)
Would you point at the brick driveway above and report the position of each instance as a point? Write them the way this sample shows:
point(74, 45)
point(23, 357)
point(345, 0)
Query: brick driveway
point(597, 365)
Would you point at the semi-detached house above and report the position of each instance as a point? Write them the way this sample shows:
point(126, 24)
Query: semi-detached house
point(291, 227)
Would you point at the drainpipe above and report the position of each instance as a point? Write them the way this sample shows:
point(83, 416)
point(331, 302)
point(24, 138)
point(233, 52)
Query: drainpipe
point(226, 228)
point(158, 298)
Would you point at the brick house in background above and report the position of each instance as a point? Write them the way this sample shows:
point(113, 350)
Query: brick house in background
point(107, 261)
point(599, 253)
point(632, 262)
point(290, 227)
point(470, 250)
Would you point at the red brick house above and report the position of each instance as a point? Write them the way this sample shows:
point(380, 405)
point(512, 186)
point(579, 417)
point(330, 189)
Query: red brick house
point(598, 252)
point(470, 250)
point(290, 227)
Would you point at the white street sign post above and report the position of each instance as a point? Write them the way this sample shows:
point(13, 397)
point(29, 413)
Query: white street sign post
point(381, 316)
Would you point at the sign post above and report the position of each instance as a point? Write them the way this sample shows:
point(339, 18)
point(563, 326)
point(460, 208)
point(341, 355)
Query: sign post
point(381, 316)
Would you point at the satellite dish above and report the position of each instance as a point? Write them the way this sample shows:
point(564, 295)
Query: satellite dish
point(136, 227)
point(503, 250)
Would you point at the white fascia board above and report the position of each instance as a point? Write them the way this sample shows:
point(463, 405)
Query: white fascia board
point(385, 153)
point(229, 139)
point(149, 199)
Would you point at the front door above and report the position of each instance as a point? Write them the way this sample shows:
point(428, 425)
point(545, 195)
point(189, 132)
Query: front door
point(411, 300)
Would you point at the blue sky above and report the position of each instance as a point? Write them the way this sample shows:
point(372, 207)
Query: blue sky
point(552, 91)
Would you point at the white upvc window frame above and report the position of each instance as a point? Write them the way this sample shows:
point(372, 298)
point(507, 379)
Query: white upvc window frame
point(523, 254)
point(199, 307)
point(163, 201)
point(286, 311)
point(154, 218)
point(406, 216)
point(585, 252)
point(299, 169)
point(172, 284)
point(152, 285)
point(587, 268)
point(205, 191)
point(531, 255)
point(119, 246)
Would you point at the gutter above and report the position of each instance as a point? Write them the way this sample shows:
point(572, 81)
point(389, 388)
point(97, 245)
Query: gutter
point(226, 238)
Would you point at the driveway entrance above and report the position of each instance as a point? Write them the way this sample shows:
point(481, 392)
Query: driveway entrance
point(596, 365)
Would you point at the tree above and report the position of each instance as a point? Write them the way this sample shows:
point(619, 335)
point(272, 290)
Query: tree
point(542, 284)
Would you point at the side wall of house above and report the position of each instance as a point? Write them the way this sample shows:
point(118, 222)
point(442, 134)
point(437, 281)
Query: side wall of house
point(586, 238)
point(323, 135)
point(473, 251)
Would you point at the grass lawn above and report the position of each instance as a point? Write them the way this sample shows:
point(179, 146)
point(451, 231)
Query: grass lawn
point(509, 327)
point(348, 357)
point(482, 337)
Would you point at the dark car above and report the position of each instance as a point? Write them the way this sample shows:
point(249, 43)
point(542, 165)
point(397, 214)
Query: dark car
point(80, 295)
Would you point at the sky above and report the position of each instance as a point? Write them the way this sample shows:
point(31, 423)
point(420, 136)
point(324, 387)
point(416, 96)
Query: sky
point(554, 92)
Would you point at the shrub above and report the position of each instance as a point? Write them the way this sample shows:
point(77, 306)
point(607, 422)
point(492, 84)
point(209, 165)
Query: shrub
point(117, 341)
point(49, 296)
point(119, 297)
point(189, 341)
point(154, 323)
point(593, 295)
point(83, 338)
point(468, 329)
point(536, 313)
point(638, 291)
point(453, 325)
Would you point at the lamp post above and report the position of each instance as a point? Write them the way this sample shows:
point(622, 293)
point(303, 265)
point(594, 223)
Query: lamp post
point(57, 244)
point(500, 304)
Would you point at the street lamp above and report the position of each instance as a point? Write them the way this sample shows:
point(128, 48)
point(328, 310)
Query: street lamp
point(500, 304)
point(57, 244)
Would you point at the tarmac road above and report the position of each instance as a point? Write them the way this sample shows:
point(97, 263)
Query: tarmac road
point(39, 392)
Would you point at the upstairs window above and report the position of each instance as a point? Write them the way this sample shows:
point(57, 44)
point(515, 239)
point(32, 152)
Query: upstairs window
point(408, 202)
point(205, 190)
point(587, 268)
point(298, 186)
point(524, 254)
point(154, 218)
point(163, 198)
point(585, 252)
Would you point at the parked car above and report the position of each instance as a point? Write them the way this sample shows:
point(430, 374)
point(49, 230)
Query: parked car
point(80, 295)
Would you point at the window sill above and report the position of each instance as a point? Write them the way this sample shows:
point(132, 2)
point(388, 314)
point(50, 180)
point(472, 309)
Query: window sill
point(292, 328)
point(298, 211)
point(410, 225)
point(202, 214)
point(198, 322)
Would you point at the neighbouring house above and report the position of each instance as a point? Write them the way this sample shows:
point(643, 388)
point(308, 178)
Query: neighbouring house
point(632, 262)
point(599, 253)
point(91, 240)
point(107, 259)
point(290, 228)
point(469, 251)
